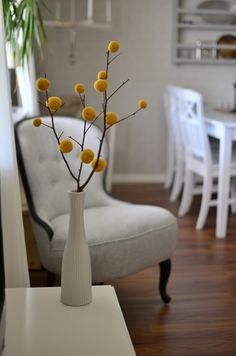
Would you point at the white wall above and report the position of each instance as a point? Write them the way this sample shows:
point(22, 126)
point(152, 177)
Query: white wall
point(144, 29)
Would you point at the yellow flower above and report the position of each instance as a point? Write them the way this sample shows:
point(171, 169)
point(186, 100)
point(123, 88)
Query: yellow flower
point(66, 146)
point(42, 84)
point(102, 163)
point(111, 118)
point(87, 156)
point(113, 46)
point(100, 85)
point(37, 122)
point(88, 113)
point(79, 88)
point(54, 103)
point(102, 74)
point(142, 104)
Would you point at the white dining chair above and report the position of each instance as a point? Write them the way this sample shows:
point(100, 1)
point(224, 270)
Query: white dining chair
point(199, 158)
point(171, 161)
point(175, 164)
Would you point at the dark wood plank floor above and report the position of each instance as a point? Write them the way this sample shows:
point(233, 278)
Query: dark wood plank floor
point(201, 319)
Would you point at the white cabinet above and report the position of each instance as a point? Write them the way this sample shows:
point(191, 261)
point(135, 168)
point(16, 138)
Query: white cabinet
point(38, 324)
point(195, 39)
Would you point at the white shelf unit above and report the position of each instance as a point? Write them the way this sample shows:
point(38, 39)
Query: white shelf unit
point(195, 41)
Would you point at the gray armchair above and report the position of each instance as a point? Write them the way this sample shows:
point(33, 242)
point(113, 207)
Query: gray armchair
point(123, 238)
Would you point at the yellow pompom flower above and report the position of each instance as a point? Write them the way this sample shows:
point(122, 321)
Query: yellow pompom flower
point(88, 113)
point(54, 103)
point(142, 104)
point(37, 122)
point(100, 85)
point(102, 163)
point(102, 74)
point(66, 146)
point(79, 88)
point(87, 156)
point(113, 46)
point(42, 84)
point(111, 118)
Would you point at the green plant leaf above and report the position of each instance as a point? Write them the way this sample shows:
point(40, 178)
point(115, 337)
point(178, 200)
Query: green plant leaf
point(24, 27)
point(41, 24)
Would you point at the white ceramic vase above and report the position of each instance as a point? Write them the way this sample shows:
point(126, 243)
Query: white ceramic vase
point(76, 281)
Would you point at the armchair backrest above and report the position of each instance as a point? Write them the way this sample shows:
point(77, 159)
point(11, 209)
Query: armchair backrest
point(45, 176)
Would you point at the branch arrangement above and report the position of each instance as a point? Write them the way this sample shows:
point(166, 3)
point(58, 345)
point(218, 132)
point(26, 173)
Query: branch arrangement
point(89, 115)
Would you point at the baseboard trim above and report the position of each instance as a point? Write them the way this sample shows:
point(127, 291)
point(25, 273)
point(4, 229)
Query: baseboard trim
point(138, 178)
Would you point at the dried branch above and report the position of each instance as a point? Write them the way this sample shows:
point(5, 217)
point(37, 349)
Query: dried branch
point(94, 121)
point(109, 97)
point(105, 99)
point(61, 134)
point(45, 106)
point(107, 64)
point(58, 140)
point(82, 99)
point(50, 127)
point(114, 58)
point(81, 163)
point(73, 139)
point(125, 118)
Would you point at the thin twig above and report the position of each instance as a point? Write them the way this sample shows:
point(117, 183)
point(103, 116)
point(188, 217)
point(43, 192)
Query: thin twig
point(82, 99)
point(125, 118)
point(45, 106)
point(107, 64)
point(47, 125)
point(104, 131)
point(94, 121)
point(109, 97)
point(114, 58)
point(58, 141)
point(73, 139)
point(46, 93)
point(96, 163)
point(81, 163)
point(61, 134)
point(54, 112)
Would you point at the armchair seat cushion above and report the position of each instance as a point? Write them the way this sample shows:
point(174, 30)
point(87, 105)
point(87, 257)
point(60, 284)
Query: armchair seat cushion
point(129, 238)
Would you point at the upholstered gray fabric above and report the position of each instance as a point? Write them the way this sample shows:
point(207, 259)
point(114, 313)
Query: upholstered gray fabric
point(123, 237)
point(47, 174)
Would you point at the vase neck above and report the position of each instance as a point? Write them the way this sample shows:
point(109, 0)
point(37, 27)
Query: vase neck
point(76, 201)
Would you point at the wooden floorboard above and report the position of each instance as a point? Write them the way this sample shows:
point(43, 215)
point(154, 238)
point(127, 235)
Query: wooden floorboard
point(201, 319)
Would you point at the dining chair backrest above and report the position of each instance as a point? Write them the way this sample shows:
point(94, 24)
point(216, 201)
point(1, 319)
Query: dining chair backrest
point(175, 134)
point(192, 122)
point(171, 111)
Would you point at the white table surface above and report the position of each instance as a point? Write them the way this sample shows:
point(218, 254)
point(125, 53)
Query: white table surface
point(39, 325)
point(222, 126)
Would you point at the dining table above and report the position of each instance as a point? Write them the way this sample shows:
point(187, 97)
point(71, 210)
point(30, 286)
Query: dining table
point(221, 125)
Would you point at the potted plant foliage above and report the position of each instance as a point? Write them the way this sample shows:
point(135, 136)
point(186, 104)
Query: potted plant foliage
point(24, 27)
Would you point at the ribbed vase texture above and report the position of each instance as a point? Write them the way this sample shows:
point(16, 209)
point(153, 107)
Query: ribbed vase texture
point(76, 281)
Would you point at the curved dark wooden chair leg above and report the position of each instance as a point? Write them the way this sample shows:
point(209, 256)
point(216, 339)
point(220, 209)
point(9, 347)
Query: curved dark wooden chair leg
point(98, 284)
point(165, 269)
point(51, 279)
